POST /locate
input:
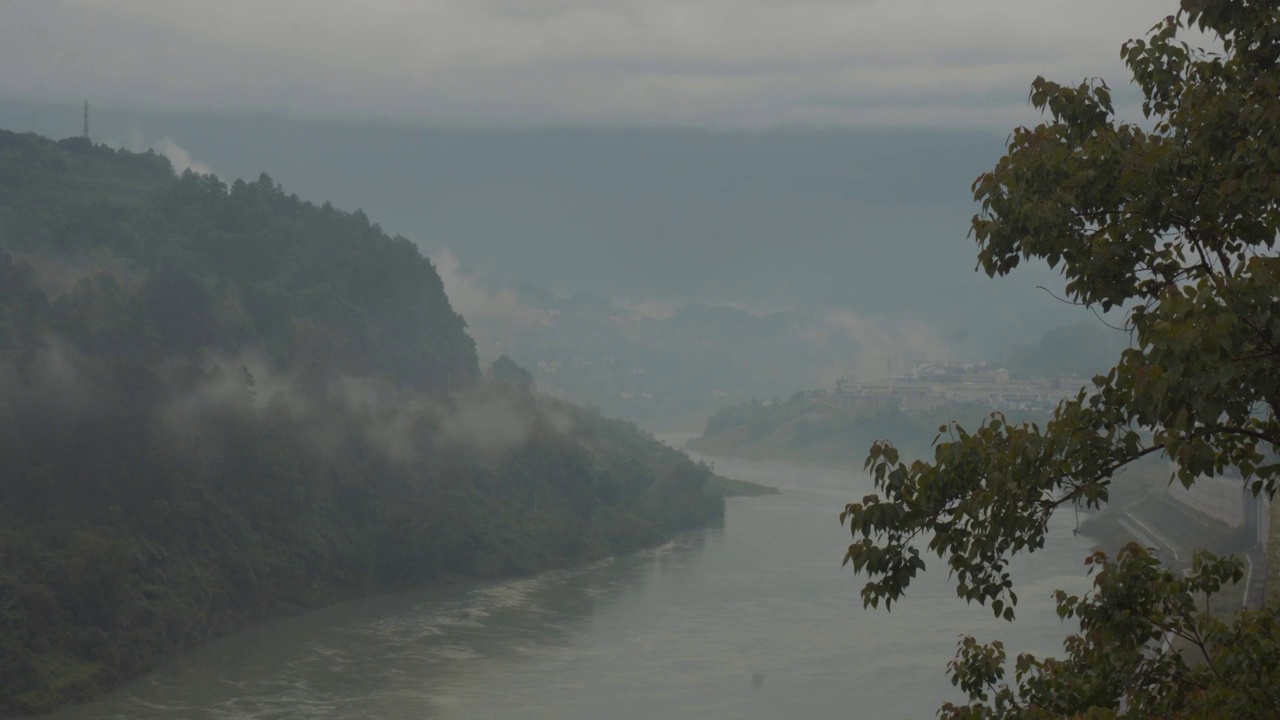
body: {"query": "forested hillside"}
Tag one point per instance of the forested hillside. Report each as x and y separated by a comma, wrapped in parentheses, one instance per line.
(220, 403)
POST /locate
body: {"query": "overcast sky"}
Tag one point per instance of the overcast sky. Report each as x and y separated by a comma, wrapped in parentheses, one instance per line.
(939, 63)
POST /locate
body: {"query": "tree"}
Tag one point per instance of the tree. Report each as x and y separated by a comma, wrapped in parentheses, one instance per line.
(1171, 222)
(505, 370)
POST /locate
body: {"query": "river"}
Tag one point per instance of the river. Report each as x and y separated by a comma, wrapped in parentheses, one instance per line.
(754, 619)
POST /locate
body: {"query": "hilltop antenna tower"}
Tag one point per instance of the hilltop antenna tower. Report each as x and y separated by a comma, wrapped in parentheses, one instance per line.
(86, 119)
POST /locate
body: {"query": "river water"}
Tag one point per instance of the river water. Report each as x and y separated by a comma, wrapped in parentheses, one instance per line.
(754, 619)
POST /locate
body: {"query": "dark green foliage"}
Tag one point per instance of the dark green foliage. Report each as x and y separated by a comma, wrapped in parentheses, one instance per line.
(1146, 644)
(360, 302)
(1174, 223)
(505, 370)
(219, 404)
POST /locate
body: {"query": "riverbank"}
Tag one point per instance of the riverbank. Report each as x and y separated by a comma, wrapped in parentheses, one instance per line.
(728, 487)
(1140, 510)
(77, 682)
(750, 619)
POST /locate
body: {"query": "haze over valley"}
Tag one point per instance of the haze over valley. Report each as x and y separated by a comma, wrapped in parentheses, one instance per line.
(677, 271)
(640, 359)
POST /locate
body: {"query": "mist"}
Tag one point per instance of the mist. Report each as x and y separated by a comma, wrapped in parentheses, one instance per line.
(858, 235)
(517, 360)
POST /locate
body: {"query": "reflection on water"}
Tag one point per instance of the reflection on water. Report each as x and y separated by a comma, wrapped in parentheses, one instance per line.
(751, 620)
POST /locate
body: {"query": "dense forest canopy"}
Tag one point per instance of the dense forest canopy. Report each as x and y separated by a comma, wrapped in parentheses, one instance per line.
(233, 263)
(219, 403)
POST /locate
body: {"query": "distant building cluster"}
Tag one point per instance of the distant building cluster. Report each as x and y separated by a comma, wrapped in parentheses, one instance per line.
(932, 387)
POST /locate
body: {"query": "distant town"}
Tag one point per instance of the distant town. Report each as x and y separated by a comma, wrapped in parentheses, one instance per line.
(933, 386)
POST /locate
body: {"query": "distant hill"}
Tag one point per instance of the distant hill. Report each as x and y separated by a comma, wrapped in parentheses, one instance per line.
(1083, 349)
(665, 372)
(871, 221)
(806, 431)
(220, 403)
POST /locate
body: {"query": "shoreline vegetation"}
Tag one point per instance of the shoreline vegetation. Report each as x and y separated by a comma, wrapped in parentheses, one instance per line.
(220, 404)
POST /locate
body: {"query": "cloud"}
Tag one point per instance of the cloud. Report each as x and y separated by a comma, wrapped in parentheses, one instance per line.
(62, 379)
(180, 158)
(58, 274)
(651, 309)
(399, 425)
(694, 62)
(884, 348)
(473, 301)
(392, 421)
(487, 423)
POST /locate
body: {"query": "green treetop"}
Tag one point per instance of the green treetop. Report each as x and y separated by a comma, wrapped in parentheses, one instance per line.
(1172, 222)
